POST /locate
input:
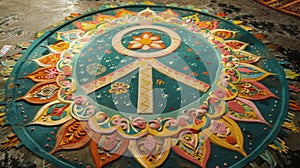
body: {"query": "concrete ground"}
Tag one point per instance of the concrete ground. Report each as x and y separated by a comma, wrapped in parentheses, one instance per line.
(21, 19)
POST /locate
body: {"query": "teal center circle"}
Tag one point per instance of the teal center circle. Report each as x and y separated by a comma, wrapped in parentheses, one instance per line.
(196, 57)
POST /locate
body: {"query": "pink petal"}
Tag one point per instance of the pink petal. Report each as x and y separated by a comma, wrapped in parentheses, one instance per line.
(236, 107)
(254, 108)
(136, 38)
(154, 38)
(137, 45)
(246, 70)
(153, 45)
(146, 47)
(157, 42)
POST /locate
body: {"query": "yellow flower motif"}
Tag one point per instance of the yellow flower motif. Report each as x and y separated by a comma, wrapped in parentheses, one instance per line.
(119, 88)
(148, 3)
(291, 74)
(146, 41)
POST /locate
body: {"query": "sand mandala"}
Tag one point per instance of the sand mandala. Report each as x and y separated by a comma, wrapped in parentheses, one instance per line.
(147, 86)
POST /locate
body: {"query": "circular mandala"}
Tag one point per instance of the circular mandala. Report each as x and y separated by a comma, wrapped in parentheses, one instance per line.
(147, 86)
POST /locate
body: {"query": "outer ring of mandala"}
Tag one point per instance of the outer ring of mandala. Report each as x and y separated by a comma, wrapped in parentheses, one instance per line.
(117, 44)
(23, 131)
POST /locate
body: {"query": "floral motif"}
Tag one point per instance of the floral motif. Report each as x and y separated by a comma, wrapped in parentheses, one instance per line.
(51, 73)
(146, 41)
(80, 100)
(220, 128)
(119, 88)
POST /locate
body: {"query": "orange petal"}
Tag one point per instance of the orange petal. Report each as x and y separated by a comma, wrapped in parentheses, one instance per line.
(157, 46)
(42, 93)
(71, 135)
(48, 60)
(42, 74)
(53, 113)
(236, 45)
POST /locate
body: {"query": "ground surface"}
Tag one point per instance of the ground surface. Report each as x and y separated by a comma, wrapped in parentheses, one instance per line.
(21, 19)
